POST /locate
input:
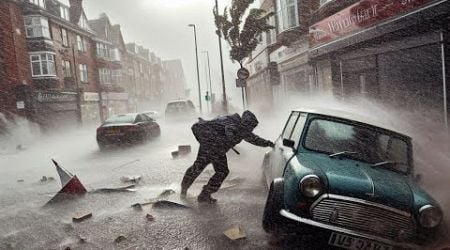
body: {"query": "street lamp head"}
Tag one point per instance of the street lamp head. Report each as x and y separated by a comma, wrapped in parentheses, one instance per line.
(191, 25)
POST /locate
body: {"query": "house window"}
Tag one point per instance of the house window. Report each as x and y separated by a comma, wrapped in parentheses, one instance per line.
(116, 76)
(105, 75)
(102, 50)
(115, 54)
(287, 12)
(271, 35)
(83, 73)
(40, 3)
(37, 26)
(42, 64)
(81, 44)
(64, 37)
(66, 68)
(64, 11)
(83, 22)
(141, 69)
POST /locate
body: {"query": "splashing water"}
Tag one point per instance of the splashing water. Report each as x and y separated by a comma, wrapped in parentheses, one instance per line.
(16, 133)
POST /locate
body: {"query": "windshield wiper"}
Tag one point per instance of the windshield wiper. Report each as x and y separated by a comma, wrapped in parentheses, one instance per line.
(385, 163)
(343, 153)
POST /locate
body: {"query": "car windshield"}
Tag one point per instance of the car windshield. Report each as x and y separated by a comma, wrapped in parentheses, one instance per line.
(359, 142)
(121, 119)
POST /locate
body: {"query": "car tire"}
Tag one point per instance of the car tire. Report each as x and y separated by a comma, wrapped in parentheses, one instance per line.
(157, 132)
(101, 146)
(272, 221)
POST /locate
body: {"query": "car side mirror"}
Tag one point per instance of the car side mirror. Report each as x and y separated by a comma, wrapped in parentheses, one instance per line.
(288, 143)
(418, 178)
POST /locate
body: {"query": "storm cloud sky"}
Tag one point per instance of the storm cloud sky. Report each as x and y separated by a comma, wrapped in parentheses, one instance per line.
(162, 26)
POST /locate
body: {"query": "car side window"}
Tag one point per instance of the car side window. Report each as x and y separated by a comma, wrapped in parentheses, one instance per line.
(290, 125)
(138, 119)
(298, 129)
(147, 118)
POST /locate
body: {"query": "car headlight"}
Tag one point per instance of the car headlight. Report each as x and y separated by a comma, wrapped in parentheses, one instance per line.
(430, 216)
(310, 186)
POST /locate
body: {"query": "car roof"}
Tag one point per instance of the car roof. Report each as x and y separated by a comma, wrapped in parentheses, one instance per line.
(181, 100)
(352, 117)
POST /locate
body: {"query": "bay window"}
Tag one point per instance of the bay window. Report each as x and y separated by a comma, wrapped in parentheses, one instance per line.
(36, 26)
(83, 73)
(116, 76)
(287, 11)
(43, 64)
(40, 3)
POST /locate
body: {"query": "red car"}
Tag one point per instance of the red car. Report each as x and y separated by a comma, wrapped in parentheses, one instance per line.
(127, 128)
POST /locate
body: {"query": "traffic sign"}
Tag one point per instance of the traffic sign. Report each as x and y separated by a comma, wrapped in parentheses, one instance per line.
(243, 73)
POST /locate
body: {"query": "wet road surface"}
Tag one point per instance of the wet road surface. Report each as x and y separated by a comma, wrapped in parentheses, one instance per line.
(26, 225)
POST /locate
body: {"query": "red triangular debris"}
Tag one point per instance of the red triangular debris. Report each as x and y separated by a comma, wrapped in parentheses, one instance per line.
(64, 175)
(74, 186)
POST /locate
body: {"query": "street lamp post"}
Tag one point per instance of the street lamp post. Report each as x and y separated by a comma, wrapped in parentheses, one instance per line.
(209, 73)
(198, 71)
(219, 35)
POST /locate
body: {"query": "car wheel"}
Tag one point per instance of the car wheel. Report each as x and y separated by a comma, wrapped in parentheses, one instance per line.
(101, 146)
(157, 132)
(272, 220)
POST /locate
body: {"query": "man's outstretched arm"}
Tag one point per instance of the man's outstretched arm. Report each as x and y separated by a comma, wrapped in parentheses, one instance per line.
(258, 141)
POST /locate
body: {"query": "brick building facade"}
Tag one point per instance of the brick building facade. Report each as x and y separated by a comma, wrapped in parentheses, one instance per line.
(14, 61)
(57, 68)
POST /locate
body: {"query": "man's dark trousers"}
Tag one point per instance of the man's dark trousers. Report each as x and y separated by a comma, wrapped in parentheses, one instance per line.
(207, 155)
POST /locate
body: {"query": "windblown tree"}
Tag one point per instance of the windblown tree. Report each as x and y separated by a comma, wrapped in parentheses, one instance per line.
(242, 36)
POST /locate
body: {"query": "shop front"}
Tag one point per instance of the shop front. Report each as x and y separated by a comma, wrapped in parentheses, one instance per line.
(114, 103)
(394, 52)
(90, 108)
(296, 74)
(54, 110)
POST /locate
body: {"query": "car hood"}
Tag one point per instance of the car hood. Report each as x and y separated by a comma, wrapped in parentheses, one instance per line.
(359, 180)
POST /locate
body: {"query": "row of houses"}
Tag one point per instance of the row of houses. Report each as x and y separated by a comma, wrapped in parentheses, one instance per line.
(393, 51)
(59, 67)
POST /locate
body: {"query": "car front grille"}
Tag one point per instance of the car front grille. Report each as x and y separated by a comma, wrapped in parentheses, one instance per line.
(364, 216)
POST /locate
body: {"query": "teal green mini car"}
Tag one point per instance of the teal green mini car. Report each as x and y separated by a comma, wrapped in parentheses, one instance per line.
(349, 179)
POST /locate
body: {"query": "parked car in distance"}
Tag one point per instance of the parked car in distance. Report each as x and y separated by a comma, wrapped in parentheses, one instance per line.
(152, 114)
(127, 128)
(349, 180)
(184, 109)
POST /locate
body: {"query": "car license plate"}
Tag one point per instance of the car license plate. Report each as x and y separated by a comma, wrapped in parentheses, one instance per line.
(113, 131)
(353, 243)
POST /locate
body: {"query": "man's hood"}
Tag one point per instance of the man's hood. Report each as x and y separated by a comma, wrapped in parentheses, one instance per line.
(359, 180)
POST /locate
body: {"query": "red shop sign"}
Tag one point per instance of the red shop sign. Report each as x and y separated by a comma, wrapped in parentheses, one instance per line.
(359, 16)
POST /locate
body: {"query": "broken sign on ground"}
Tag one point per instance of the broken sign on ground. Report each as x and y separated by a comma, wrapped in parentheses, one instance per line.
(182, 150)
(81, 217)
(235, 233)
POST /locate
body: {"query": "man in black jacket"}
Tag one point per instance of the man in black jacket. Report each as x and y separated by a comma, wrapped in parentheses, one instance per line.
(216, 137)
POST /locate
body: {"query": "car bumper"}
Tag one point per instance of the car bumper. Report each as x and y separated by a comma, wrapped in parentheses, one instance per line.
(324, 226)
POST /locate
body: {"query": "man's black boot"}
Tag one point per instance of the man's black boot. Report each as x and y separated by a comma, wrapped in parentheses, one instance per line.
(206, 197)
(185, 184)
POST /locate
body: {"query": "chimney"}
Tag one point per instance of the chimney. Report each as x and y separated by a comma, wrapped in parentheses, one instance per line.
(76, 8)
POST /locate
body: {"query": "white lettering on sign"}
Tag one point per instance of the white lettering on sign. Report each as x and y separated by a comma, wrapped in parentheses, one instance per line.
(55, 97)
(360, 16)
